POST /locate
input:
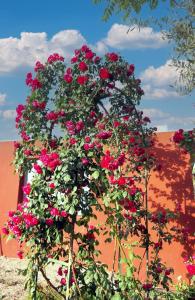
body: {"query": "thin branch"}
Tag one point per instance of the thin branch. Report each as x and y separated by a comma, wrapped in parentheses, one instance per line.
(50, 283)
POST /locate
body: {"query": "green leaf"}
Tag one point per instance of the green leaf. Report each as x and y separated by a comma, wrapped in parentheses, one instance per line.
(116, 297)
(95, 174)
(72, 210)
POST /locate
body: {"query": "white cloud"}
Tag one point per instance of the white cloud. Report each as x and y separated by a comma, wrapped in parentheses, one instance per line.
(164, 75)
(158, 82)
(100, 48)
(2, 98)
(9, 114)
(165, 121)
(17, 52)
(154, 113)
(125, 37)
(152, 92)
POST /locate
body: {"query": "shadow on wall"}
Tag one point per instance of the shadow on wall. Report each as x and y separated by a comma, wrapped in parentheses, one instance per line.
(172, 188)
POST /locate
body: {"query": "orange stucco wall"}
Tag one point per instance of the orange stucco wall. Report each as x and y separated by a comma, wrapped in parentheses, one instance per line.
(169, 188)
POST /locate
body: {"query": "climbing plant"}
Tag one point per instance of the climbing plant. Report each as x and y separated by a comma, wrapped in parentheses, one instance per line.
(90, 151)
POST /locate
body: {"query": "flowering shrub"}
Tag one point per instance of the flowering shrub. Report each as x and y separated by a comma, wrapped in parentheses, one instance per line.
(185, 139)
(90, 150)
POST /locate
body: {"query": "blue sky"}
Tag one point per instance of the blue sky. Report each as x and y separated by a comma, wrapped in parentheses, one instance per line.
(31, 30)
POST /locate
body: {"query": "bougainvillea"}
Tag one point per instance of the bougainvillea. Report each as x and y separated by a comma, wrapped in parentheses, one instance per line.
(90, 150)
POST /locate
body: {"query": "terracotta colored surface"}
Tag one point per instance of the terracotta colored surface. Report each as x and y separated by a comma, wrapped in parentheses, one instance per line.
(9, 189)
(170, 188)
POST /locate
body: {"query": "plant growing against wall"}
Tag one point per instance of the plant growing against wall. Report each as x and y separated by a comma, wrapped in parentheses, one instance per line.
(90, 150)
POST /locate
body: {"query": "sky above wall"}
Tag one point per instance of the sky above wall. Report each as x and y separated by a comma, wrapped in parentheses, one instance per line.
(31, 30)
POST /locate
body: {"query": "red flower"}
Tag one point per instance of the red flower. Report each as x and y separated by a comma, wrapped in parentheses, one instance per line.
(49, 222)
(121, 181)
(97, 59)
(54, 57)
(104, 135)
(85, 48)
(60, 273)
(85, 161)
(37, 104)
(83, 66)
(27, 189)
(191, 269)
(5, 230)
(20, 254)
(17, 145)
(38, 66)
(87, 139)
(130, 70)
(116, 124)
(73, 141)
(74, 59)
(104, 73)
(54, 212)
(64, 214)
(178, 136)
(147, 286)
(38, 169)
(68, 78)
(52, 116)
(89, 55)
(63, 281)
(167, 272)
(112, 56)
(52, 185)
(82, 80)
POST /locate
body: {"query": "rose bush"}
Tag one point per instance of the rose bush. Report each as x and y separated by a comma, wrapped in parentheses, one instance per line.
(90, 150)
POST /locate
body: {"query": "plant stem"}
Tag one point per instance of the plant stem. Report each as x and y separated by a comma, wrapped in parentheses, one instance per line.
(70, 260)
(50, 283)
